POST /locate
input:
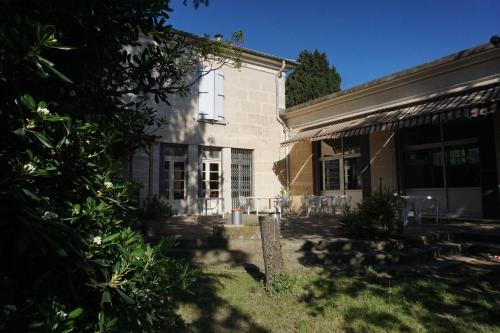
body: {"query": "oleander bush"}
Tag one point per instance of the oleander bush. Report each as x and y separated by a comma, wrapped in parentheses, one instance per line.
(378, 215)
(72, 256)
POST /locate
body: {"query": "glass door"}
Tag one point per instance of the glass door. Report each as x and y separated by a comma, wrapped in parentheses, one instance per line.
(174, 179)
(210, 179)
(173, 175)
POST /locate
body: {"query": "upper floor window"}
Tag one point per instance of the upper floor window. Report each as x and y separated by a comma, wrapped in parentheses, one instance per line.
(211, 95)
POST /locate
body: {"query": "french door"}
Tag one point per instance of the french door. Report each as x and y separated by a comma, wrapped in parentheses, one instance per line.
(174, 179)
(211, 179)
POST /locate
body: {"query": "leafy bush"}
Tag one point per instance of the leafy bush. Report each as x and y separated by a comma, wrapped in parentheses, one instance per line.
(283, 284)
(157, 207)
(71, 260)
(353, 223)
(377, 215)
(71, 256)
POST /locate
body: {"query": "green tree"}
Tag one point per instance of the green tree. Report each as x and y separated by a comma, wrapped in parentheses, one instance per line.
(313, 78)
(72, 258)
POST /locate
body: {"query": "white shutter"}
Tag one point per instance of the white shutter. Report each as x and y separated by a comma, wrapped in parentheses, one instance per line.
(206, 95)
(219, 95)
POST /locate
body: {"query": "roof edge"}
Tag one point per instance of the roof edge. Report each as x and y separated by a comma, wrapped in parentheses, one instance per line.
(265, 58)
(395, 76)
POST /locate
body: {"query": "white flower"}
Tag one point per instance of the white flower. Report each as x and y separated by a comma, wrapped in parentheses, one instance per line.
(29, 167)
(108, 184)
(98, 240)
(44, 112)
(75, 212)
(49, 216)
(61, 315)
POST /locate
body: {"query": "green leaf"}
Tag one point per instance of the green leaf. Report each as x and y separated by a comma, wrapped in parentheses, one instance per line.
(30, 194)
(50, 66)
(43, 139)
(20, 131)
(28, 102)
(106, 297)
(111, 237)
(125, 297)
(75, 313)
(42, 105)
(62, 47)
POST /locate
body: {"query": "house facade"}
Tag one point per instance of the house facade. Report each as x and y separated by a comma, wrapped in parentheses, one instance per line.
(222, 141)
(429, 131)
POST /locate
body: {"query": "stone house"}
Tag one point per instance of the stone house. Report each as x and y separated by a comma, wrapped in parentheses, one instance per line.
(428, 131)
(222, 141)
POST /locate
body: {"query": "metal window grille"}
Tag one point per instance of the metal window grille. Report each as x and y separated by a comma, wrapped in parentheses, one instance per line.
(241, 175)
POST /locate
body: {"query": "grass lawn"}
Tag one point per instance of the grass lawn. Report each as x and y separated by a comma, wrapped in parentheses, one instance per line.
(362, 300)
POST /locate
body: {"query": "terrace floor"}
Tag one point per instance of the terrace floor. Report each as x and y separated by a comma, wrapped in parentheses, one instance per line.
(305, 228)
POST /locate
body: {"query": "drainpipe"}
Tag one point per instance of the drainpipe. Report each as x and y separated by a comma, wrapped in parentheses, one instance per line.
(286, 130)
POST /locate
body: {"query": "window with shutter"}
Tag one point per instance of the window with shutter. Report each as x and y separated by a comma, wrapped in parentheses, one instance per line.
(206, 95)
(219, 95)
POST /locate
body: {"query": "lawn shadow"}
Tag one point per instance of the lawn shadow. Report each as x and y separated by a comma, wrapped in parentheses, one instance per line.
(214, 314)
(254, 272)
(464, 299)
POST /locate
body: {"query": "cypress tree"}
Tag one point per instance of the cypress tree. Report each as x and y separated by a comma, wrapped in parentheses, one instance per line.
(313, 78)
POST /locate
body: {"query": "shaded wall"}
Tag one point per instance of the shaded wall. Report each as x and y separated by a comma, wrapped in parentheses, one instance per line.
(301, 172)
(383, 157)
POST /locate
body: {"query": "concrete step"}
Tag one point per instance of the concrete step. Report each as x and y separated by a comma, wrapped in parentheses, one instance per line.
(426, 239)
(345, 244)
(475, 248)
(406, 256)
(492, 238)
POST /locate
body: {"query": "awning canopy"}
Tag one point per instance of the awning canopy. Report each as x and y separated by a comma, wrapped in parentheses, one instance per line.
(470, 104)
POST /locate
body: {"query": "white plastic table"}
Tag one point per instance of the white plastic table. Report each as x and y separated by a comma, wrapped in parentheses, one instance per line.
(256, 201)
(332, 200)
(417, 201)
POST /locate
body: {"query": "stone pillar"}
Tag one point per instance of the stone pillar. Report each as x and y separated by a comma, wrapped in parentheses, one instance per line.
(226, 179)
(193, 165)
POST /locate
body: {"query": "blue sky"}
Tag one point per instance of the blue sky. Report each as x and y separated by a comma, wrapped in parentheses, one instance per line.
(363, 39)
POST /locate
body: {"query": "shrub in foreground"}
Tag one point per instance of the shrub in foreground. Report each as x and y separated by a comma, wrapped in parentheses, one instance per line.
(378, 215)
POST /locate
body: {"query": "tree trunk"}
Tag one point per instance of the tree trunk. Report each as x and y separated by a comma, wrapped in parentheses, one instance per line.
(271, 248)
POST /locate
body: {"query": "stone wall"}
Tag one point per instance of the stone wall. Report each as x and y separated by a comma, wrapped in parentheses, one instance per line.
(250, 123)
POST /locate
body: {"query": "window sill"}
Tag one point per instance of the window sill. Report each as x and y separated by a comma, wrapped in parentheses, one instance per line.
(213, 121)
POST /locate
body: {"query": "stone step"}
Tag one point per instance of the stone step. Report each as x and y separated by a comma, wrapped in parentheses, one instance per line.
(344, 244)
(203, 243)
(481, 248)
(492, 238)
(217, 257)
(406, 256)
(427, 239)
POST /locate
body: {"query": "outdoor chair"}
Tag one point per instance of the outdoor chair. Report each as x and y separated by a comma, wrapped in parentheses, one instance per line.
(343, 202)
(243, 203)
(210, 206)
(327, 204)
(284, 204)
(312, 204)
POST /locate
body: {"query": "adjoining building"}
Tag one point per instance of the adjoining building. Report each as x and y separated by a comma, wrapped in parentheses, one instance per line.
(221, 141)
(432, 130)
